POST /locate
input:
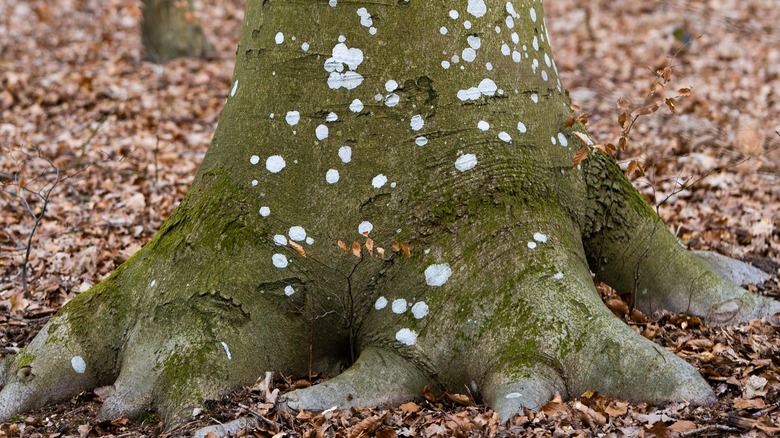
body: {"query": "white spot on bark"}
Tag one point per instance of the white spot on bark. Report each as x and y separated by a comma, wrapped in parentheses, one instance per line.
(275, 163)
(521, 127)
(365, 227)
(489, 66)
(289, 290)
(531, 245)
(421, 141)
(514, 395)
(406, 336)
(255, 183)
(516, 57)
(332, 176)
(437, 274)
(533, 14)
(420, 310)
(264, 211)
(454, 14)
(505, 50)
(297, 233)
(333, 3)
(539, 237)
(505, 137)
(345, 153)
(365, 17)
(466, 162)
(153, 283)
(380, 303)
(280, 240)
(510, 9)
(235, 87)
(474, 42)
(477, 8)
(279, 38)
(553, 141)
(344, 56)
(356, 106)
(309, 241)
(78, 364)
(417, 122)
(510, 22)
(254, 159)
(469, 54)
(379, 181)
(562, 139)
(292, 117)
(321, 132)
(331, 117)
(535, 97)
(279, 260)
(487, 87)
(392, 100)
(445, 64)
(467, 24)
(472, 93)
(227, 350)
(305, 47)
(483, 125)
(399, 306)
(558, 276)
(391, 86)
(443, 30)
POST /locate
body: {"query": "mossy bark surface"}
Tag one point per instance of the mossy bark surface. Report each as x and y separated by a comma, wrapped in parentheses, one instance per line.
(390, 186)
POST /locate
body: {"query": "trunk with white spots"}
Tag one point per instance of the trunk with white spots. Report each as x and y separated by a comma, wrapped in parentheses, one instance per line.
(391, 191)
(170, 30)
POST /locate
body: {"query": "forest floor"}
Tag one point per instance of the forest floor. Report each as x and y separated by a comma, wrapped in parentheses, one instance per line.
(111, 143)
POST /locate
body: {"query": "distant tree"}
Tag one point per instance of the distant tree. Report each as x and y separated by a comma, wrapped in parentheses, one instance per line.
(392, 189)
(170, 30)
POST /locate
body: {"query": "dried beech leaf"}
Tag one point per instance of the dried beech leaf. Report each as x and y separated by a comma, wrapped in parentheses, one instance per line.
(623, 103)
(582, 137)
(343, 246)
(356, 249)
(460, 399)
(670, 102)
(634, 166)
(386, 432)
(684, 91)
(580, 156)
(370, 246)
(610, 148)
(409, 407)
(396, 247)
(405, 248)
(366, 427)
(622, 142)
(380, 251)
(428, 394)
(623, 120)
(575, 107)
(569, 121)
(298, 248)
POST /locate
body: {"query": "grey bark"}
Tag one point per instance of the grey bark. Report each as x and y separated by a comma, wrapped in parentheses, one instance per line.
(170, 30)
(381, 127)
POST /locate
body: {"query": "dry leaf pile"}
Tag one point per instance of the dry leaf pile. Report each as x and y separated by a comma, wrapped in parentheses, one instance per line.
(110, 144)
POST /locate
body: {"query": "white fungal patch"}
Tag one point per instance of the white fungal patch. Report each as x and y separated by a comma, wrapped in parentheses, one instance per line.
(297, 233)
(235, 87)
(558, 276)
(356, 106)
(535, 97)
(535, 43)
(443, 30)
(289, 290)
(531, 245)
(345, 153)
(341, 57)
(547, 60)
(472, 93)
(510, 9)
(392, 100)
(78, 364)
(553, 140)
(505, 137)
(321, 132)
(305, 47)
(280, 240)
(391, 86)
(332, 176)
(279, 260)
(399, 306)
(380, 303)
(437, 274)
(227, 351)
(365, 227)
(487, 87)
(365, 17)
(474, 42)
(153, 283)
(539, 237)
(513, 395)
(515, 38)
(417, 122)
(516, 56)
(469, 54)
(488, 66)
(533, 14)
(309, 241)
(292, 117)
(420, 310)
(466, 162)
(477, 8)
(331, 117)
(275, 163)
(483, 125)
(454, 14)
(510, 22)
(421, 141)
(279, 38)
(264, 211)
(406, 336)
(521, 127)
(445, 64)
(255, 183)
(379, 181)
(467, 24)
(254, 159)
(544, 75)
(562, 139)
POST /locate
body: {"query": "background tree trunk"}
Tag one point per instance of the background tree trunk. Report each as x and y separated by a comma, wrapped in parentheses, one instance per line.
(390, 187)
(170, 30)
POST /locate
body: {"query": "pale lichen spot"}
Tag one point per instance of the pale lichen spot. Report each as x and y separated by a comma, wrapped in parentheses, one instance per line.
(514, 395)
(153, 283)
(553, 140)
(279, 38)
(521, 127)
(305, 47)
(297, 233)
(399, 306)
(474, 42)
(331, 117)
(289, 290)
(469, 54)
(255, 183)
(392, 100)
(437, 274)
(466, 162)
(562, 139)
(332, 176)
(531, 245)
(227, 350)
(421, 141)
(275, 163)
(488, 66)
(280, 240)
(535, 97)
(78, 364)
(505, 50)
(558, 276)
(309, 241)
(417, 122)
(454, 14)
(505, 137)
(279, 260)
(406, 336)
(379, 181)
(356, 106)
(445, 64)
(264, 211)
(345, 153)
(254, 159)
(443, 30)
(235, 87)
(487, 87)
(391, 86)
(292, 117)
(539, 237)
(344, 56)
(533, 14)
(477, 8)
(365, 227)
(321, 132)
(467, 24)
(333, 3)
(380, 303)
(420, 310)
(483, 125)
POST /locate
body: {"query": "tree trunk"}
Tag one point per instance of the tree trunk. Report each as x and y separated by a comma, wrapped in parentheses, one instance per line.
(170, 30)
(390, 189)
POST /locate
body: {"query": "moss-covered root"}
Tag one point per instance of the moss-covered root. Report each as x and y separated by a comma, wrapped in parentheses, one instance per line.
(629, 248)
(378, 377)
(617, 361)
(51, 368)
(536, 386)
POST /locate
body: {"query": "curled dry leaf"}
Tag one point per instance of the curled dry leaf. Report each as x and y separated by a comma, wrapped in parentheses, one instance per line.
(356, 249)
(370, 246)
(686, 91)
(405, 248)
(298, 248)
(396, 247)
(581, 155)
(380, 251)
(342, 245)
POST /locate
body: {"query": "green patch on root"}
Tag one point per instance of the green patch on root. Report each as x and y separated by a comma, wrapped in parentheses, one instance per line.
(24, 358)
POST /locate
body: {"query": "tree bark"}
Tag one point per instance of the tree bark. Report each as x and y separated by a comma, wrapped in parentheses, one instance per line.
(170, 30)
(390, 187)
